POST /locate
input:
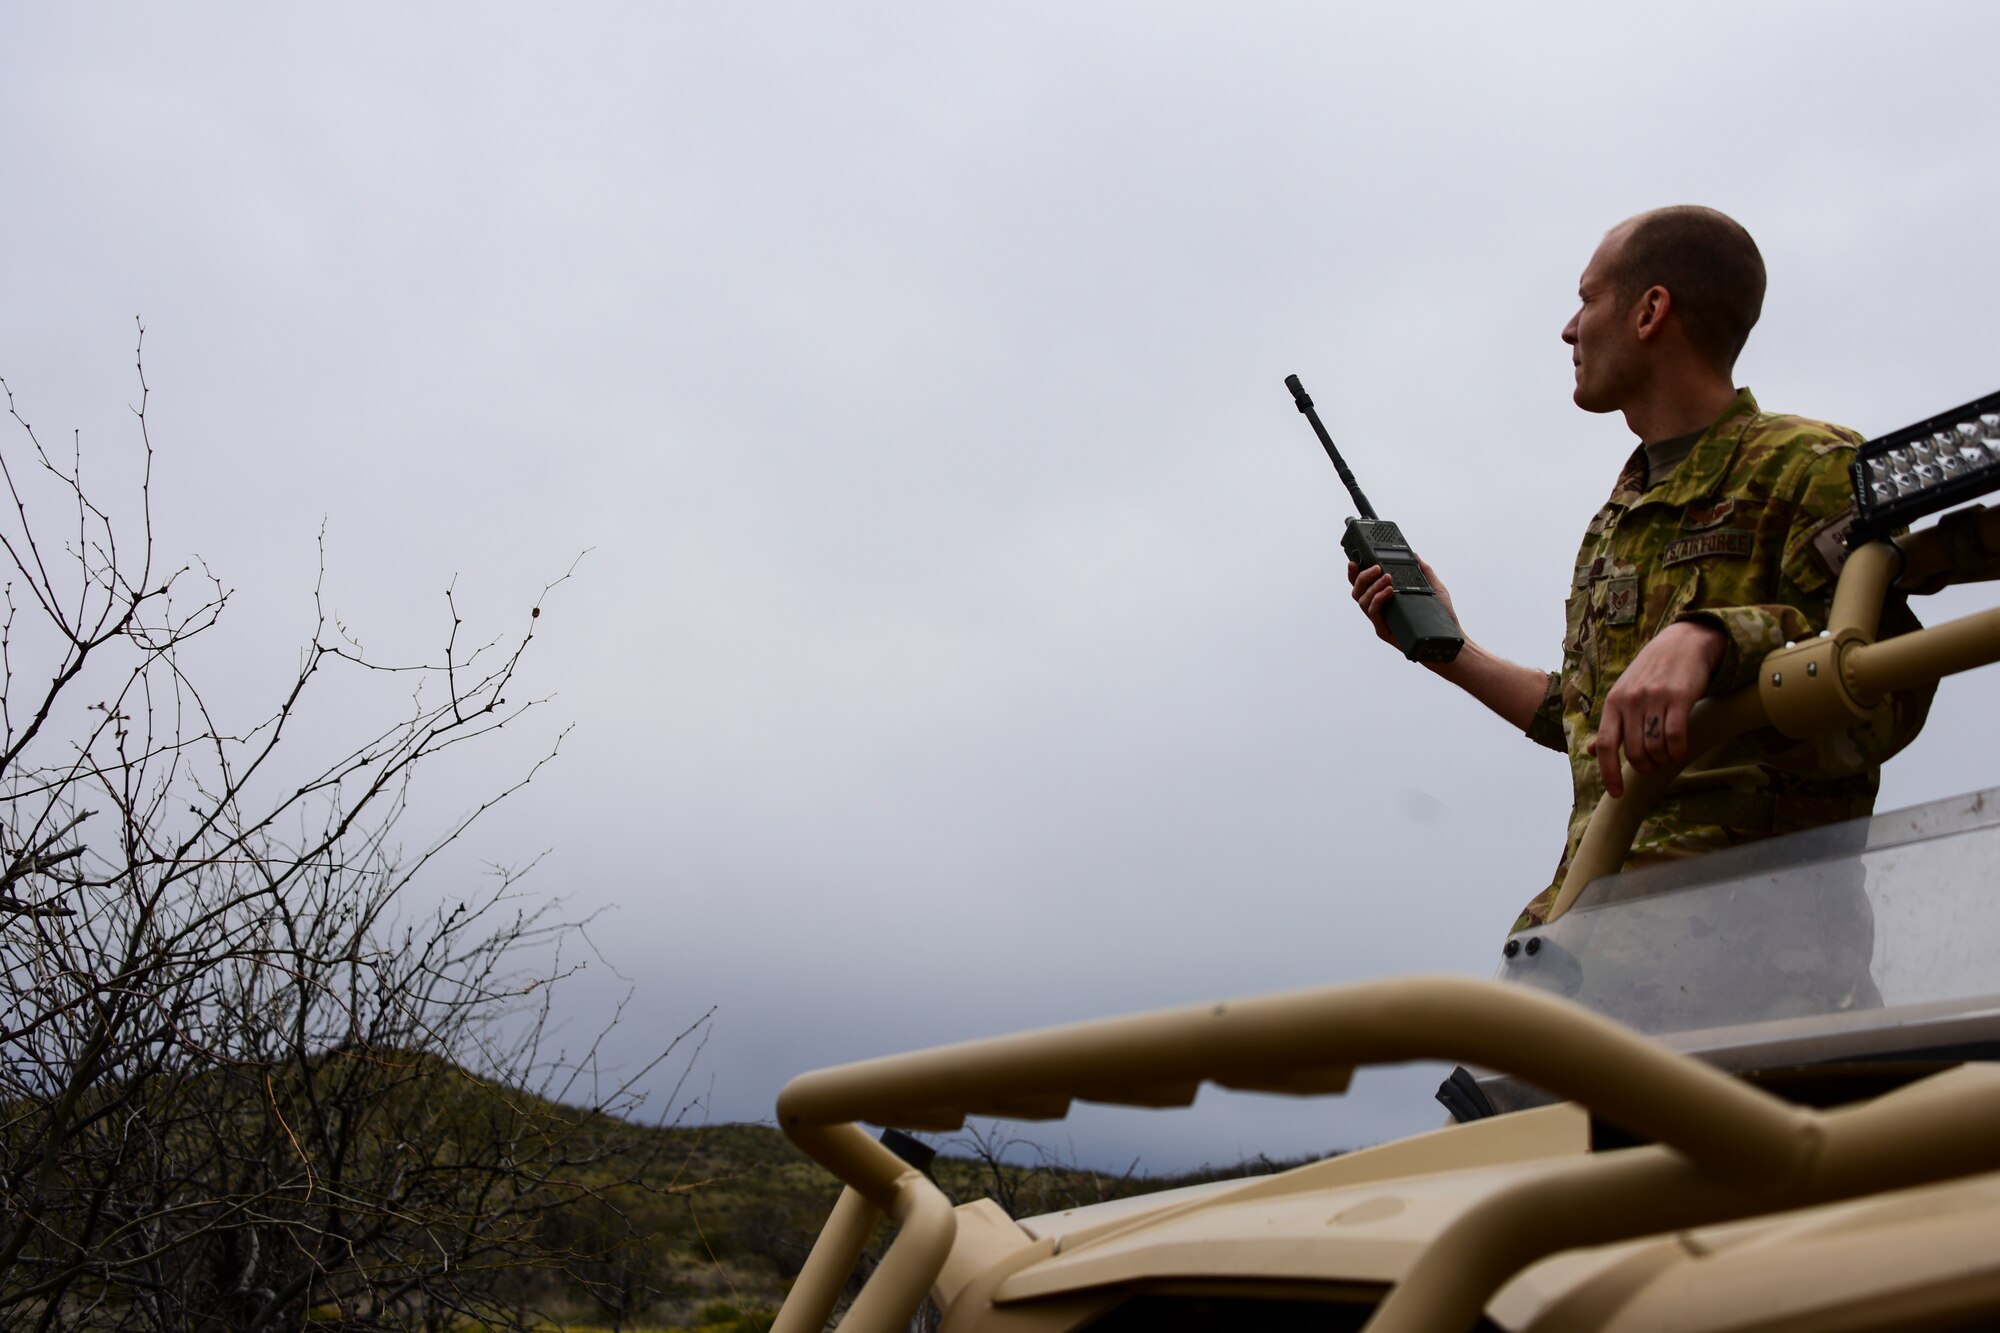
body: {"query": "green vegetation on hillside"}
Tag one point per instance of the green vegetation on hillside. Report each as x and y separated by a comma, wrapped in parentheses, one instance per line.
(729, 1221)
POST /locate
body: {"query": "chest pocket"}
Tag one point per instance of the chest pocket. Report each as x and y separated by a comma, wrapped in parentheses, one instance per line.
(1674, 593)
(1589, 566)
(1575, 609)
(1733, 548)
(1623, 609)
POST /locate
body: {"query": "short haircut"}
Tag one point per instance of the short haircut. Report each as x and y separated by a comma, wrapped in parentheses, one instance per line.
(1710, 266)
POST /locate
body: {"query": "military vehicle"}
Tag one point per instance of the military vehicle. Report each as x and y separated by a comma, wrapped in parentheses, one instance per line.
(1754, 1090)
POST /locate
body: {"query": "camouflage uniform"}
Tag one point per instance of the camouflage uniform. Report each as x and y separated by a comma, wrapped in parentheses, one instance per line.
(1746, 534)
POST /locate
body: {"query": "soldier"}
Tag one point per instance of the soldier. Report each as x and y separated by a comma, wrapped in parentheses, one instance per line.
(1720, 542)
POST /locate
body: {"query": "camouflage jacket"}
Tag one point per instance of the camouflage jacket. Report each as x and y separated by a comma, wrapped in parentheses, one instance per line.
(1745, 534)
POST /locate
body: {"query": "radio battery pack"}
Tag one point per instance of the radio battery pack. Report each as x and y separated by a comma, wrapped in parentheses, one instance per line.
(1416, 615)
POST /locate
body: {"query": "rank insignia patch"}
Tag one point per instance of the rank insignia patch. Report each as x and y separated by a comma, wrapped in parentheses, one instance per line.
(1734, 542)
(1621, 601)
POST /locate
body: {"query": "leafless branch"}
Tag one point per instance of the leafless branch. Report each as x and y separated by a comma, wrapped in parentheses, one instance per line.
(241, 1077)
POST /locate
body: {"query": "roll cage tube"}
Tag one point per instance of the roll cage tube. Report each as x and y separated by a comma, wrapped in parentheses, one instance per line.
(1722, 1148)
(1299, 1042)
(1826, 683)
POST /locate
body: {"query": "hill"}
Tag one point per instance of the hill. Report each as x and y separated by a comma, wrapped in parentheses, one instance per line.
(396, 1189)
(730, 1216)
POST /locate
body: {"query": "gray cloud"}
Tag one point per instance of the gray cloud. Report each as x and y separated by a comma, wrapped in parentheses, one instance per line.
(963, 642)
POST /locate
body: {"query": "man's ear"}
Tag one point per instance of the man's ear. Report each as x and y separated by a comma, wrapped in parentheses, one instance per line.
(1649, 313)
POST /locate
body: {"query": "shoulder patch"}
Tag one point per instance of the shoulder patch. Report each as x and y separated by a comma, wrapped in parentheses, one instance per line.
(1730, 542)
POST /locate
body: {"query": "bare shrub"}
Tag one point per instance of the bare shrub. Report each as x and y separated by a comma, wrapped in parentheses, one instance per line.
(243, 1084)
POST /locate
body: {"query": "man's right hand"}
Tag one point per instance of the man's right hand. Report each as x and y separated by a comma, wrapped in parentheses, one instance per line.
(1514, 692)
(1372, 592)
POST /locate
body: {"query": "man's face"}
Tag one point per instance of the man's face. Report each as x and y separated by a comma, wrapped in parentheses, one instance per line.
(1604, 347)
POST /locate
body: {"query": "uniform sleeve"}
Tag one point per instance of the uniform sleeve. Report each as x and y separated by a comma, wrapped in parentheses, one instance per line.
(1545, 727)
(1749, 632)
(1821, 506)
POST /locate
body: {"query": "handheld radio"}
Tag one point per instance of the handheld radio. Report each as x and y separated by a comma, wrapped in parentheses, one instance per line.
(1418, 618)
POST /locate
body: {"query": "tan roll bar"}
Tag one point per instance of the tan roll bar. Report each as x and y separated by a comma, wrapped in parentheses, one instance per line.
(1300, 1042)
(1724, 1149)
(1825, 683)
(1933, 1130)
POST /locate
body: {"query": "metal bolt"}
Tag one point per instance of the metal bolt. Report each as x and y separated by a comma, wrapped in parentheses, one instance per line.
(1777, 679)
(1535, 945)
(1812, 668)
(1510, 948)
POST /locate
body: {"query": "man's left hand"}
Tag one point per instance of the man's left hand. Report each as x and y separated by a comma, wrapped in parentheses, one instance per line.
(1646, 712)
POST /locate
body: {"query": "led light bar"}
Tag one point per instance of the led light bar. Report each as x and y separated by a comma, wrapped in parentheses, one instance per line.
(1935, 464)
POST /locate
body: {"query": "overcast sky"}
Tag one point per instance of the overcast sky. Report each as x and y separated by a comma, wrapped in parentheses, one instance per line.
(963, 642)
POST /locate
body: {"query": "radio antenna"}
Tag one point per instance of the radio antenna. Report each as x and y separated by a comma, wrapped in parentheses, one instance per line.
(1305, 402)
